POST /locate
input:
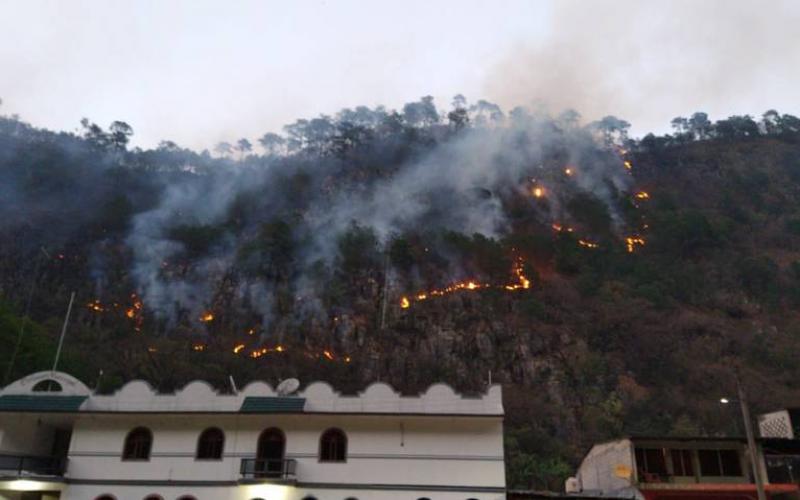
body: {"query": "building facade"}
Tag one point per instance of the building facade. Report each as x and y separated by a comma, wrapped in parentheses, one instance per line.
(673, 469)
(59, 440)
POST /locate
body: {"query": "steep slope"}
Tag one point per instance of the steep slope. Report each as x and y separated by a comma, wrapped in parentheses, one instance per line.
(610, 291)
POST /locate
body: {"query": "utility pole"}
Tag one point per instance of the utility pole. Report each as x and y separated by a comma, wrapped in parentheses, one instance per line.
(755, 463)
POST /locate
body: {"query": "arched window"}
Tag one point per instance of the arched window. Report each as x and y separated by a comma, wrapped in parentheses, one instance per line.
(210, 444)
(47, 386)
(269, 455)
(333, 446)
(138, 444)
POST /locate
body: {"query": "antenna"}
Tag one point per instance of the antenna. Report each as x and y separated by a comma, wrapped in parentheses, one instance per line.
(288, 387)
(97, 382)
(233, 384)
(63, 332)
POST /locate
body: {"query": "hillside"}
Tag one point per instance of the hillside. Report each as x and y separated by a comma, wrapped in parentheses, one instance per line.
(611, 285)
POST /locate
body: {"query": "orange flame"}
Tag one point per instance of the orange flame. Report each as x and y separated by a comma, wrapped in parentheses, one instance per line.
(238, 348)
(135, 312)
(207, 316)
(265, 350)
(588, 244)
(628, 164)
(199, 347)
(632, 241)
(96, 306)
(328, 355)
(538, 192)
(568, 171)
(643, 195)
(522, 283)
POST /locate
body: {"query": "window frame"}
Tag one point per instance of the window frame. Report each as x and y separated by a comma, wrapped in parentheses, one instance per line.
(720, 463)
(126, 458)
(643, 465)
(345, 442)
(686, 462)
(197, 456)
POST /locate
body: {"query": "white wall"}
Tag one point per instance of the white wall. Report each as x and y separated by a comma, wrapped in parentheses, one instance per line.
(267, 492)
(597, 470)
(387, 450)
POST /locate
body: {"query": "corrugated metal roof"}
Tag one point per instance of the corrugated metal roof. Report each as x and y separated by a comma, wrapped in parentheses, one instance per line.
(40, 403)
(272, 404)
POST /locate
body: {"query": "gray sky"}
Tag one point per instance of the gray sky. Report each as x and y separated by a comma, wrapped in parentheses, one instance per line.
(199, 71)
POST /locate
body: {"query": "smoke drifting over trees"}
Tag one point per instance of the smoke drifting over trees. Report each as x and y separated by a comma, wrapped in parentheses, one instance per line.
(593, 274)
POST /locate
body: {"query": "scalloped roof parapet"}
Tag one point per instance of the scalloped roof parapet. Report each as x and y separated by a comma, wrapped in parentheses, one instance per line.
(321, 397)
(70, 386)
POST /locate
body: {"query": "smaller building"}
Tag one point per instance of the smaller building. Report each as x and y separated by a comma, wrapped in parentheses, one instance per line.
(658, 468)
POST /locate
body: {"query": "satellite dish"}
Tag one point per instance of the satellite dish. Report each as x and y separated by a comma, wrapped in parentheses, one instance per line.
(288, 386)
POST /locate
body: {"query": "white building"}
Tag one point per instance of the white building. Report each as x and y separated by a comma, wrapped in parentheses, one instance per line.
(197, 444)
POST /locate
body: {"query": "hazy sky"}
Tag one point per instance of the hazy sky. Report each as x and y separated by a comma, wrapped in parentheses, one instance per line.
(198, 71)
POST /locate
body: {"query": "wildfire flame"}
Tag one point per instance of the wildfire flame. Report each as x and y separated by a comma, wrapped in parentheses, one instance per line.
(238, 348)
(199, 347)
(588, 244)
(568, 171)
(632, 241)
(207, 316)
(135, 312)
(328, 355)
(96, 306)
(642, 195)
(522, 283)
(538, 192)
(558, 227)
(265, 350)
(628, 164)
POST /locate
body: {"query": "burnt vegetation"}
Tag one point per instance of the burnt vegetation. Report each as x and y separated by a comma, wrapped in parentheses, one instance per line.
(610, 284)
